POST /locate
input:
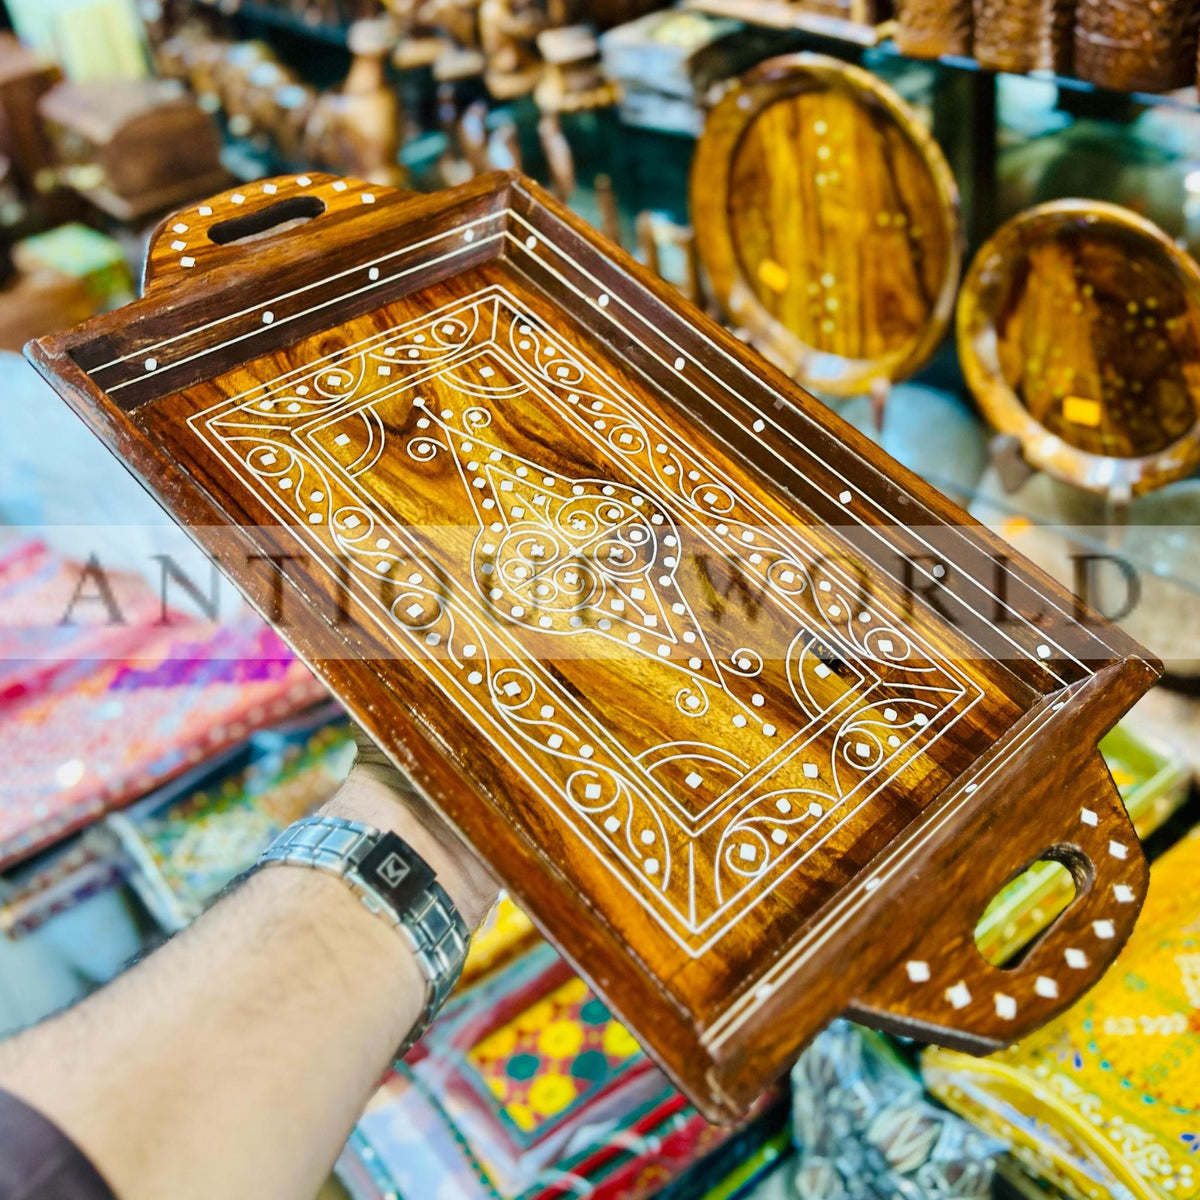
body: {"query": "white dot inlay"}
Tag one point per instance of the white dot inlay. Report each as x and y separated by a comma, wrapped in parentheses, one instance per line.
(918, 971)
(1006, 1006)
(959, 995)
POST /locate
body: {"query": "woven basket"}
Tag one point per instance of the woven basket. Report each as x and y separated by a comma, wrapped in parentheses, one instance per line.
(927, 28)
(1137, 45)
(1024, 35)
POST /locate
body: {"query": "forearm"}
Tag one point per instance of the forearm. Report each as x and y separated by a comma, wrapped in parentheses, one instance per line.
(234, 1061)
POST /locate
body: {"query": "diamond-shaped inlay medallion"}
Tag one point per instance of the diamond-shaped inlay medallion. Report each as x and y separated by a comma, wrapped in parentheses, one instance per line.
(1006, 1006)
(1046, 987)
(1117, 850)
(1076, 959)
(918, 971)
(1089, 818)
(1104, 930)
(1123, 893)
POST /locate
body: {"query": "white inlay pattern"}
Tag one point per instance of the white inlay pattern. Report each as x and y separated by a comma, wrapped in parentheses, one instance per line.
(608, 558)
(959, 995)
(1046, 987)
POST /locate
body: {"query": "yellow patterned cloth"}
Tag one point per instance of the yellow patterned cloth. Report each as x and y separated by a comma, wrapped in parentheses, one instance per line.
(553, 1055)
(1105, 1102)
(506, 933)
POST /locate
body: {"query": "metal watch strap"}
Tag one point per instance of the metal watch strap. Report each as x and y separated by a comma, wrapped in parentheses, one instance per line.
(393, 881)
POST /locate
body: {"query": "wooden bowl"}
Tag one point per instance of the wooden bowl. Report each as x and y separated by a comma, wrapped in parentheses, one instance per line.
(1079, 333)
(827, 220)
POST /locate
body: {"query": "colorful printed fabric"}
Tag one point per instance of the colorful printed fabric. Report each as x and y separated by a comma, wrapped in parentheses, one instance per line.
(527, 1088)
(96, 735)
(1105, 1101)
(406, 1146)
(662, 1148)
(552, 1057)
(185, 849)
(53, 885)
(45, 622)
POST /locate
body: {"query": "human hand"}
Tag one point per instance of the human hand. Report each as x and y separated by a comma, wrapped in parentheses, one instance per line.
(379, 793)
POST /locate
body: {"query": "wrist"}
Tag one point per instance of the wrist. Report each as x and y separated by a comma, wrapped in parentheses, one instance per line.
(367, 798)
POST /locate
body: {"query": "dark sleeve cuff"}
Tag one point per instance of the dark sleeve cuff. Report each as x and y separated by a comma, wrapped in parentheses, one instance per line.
(39, 1162)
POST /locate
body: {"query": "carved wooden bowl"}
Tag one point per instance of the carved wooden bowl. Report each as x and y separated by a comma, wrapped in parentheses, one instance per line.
(1079, 333)
(752, 722)
(827, 220)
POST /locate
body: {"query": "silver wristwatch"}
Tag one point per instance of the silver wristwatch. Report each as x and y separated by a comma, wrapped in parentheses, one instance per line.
(395, 882)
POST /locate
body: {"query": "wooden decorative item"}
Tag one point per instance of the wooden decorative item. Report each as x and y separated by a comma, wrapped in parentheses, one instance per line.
(560, 159)
(1078, 328)
(357, 130)
(1135, 47)
(33, 303)
(860, 12)
(1024, 35)
(24, 78)
(750, 720)
(827, 220)
(507, 29)
(573, 78)
(656, 232)
(931, 28)
(133, 147)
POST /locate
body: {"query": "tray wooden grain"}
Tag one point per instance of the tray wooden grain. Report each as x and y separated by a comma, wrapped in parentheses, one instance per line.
(1079, 334)
(743, 713)
(826, 217)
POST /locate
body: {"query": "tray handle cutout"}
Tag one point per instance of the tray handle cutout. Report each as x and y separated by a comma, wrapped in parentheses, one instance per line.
(943, 989)
(212, 232)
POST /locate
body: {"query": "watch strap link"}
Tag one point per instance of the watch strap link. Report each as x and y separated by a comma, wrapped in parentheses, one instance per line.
(393, 881)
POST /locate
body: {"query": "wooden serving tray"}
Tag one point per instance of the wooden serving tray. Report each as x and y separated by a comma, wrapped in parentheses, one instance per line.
(1079, 334)
(826, 218)
(751, 720)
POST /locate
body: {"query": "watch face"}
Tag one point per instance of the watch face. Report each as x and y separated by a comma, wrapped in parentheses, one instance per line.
(396, 871)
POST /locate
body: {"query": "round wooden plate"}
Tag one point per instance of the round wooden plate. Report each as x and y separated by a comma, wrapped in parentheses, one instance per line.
(1079, 333)
(827, 220)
